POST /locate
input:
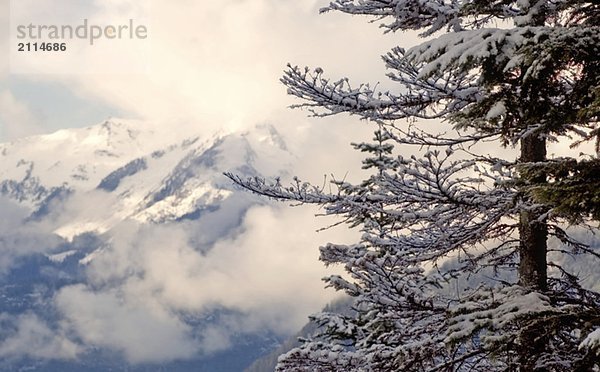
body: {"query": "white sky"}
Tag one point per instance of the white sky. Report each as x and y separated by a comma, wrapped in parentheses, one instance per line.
(213, 63)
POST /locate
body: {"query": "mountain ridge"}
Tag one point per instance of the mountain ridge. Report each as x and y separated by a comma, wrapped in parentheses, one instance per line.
(154, 182)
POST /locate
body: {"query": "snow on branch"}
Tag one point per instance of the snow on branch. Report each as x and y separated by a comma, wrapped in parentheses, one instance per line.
(405, 14)
(431, 99)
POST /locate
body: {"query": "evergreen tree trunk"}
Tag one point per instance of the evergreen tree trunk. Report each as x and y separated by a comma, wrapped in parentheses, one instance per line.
(533, 230)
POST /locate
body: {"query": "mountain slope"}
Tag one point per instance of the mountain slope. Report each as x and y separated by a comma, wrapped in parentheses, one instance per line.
(143, 175)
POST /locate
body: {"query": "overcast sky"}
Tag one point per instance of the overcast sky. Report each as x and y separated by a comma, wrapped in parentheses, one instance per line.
(212, 63)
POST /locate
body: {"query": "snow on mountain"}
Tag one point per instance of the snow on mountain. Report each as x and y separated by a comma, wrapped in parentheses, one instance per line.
(133, 168)
(78, 157)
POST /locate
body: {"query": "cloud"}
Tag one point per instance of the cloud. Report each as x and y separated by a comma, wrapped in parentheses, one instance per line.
(144, 287)
(216, 64)
(16, 118)
(18, 238)
(108, 319)
(4, 37)
(27, 335)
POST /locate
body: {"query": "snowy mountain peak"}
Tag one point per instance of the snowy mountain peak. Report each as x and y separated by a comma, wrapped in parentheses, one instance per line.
(133, 168)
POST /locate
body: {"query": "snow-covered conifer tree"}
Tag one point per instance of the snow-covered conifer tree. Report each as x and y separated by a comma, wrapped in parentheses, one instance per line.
(453, 272)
